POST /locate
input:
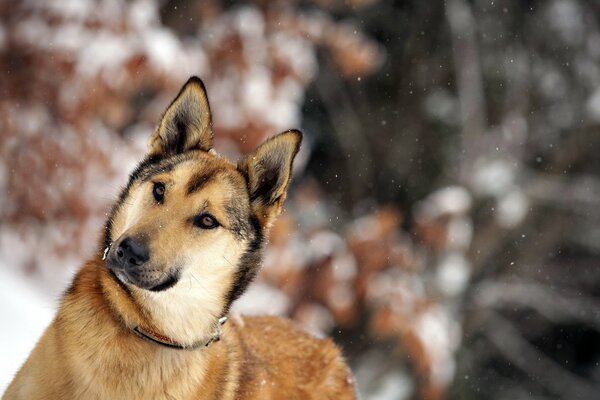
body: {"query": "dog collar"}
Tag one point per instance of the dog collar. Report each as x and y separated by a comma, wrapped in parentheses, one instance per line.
(166, 341)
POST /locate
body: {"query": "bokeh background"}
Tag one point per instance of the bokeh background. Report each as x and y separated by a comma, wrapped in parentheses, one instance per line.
(443, 225)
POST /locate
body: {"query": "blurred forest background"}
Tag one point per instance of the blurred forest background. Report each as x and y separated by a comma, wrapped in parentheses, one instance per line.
(444, 224)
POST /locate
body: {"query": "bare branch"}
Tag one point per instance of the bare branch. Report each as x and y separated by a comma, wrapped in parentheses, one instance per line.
(556, 307)
(347, 128)
(535, 363)
(574, 194)
(468, 78)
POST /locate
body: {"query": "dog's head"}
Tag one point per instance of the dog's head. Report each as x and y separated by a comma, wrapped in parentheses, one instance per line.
(190, 221)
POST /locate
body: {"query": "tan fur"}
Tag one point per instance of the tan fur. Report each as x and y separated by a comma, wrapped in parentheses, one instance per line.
(90, 350)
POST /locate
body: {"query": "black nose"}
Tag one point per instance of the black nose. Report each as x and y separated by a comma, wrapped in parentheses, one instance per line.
(132, 254)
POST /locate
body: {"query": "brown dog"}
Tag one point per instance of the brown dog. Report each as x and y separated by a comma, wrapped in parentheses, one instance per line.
(143, 319)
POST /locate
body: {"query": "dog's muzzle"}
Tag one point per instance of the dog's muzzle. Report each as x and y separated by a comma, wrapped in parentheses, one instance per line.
(128, 259)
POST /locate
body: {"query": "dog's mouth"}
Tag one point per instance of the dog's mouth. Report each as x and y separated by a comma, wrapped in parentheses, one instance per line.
(144, 279)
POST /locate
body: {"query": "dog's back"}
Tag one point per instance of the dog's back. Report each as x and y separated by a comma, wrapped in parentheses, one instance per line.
(282, 361)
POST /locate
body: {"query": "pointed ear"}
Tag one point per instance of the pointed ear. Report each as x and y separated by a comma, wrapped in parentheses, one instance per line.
(268, 171)
(186, 125)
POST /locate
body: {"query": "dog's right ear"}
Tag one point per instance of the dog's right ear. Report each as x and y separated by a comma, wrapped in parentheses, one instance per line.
(186, 125)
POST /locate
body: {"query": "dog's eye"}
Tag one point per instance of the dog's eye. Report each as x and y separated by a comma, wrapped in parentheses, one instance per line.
(158, 191)
(205, 221)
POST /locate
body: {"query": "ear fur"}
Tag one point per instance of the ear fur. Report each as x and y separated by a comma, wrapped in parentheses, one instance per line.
(186, 125)
(268, 171)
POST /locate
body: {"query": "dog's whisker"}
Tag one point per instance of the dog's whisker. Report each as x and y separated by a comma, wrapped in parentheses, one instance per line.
(230, 263)
(198, 281)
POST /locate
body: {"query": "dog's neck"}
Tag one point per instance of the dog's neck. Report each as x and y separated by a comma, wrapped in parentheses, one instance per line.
(172, 318)
(179, 317)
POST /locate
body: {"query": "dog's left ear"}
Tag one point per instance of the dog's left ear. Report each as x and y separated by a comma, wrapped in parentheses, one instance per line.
(186, 125)
(268, 171)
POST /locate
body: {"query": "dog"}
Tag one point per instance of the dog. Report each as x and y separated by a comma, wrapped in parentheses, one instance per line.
(147, 316)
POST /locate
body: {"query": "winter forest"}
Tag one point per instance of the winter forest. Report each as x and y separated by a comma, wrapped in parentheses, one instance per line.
(443, 225)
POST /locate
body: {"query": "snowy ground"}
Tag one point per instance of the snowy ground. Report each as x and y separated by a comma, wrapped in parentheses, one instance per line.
(25, 313)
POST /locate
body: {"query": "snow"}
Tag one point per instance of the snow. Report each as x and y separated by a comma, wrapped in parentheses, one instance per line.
(286, 102)
(566, 17)
(24, 321)
(395, 385)
(453, 274)
(68, 9)
(382, 380)
(493, 177)
(441, 336)
(552, 84)
(442, 105)
(142, 13)
(344, 267)
(316, 320)
(107, 51)
(257, 93)
(249, 22)
(163, 49)
(512, 208)
(593, 106)
(222, 91)
(261, 298)
(364, 228)
(459, 233)
(326, 243)
(296, 53)
(451, 200)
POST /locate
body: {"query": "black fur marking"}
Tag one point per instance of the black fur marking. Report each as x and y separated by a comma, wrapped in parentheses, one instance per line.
(171, 280)
(199, 180)
(238, 224)
(249, 264)
(269, 183)
(161, 168)
(180, 136)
